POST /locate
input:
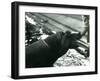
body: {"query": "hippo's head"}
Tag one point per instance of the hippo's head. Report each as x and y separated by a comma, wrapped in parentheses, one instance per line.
(60, 42)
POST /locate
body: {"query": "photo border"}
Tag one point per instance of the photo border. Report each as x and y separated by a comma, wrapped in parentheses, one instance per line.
(15, 39)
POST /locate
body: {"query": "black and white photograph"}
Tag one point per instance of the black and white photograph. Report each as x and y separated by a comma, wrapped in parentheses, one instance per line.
(56, 40)
(53, 40)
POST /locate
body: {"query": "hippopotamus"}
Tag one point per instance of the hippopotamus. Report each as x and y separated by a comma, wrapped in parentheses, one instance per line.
(43, 53)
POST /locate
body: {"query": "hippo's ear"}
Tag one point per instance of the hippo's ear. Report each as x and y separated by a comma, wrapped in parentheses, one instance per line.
(68, 33)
